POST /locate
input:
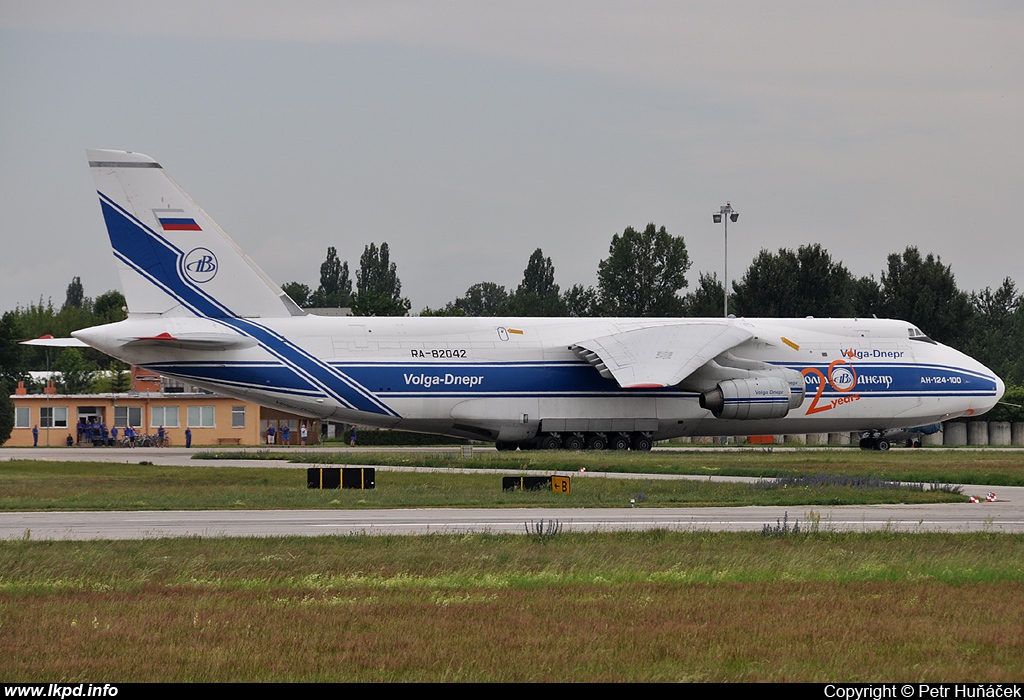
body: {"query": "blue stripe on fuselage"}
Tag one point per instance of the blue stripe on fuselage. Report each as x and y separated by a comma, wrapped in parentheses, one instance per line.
(891, 379)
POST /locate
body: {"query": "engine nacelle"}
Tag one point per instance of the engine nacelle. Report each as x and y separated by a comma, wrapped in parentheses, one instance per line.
(752, 398)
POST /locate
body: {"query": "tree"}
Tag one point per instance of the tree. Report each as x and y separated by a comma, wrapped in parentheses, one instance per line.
(299, 293)
(13, 359)
(484, 299)
(643, 274)
(707, 300)
(998, 333)
(6, 412)
(120, 376)
(76, 373)
(923, 291)
(109, 307)
(335, 290)
(866, 297)
(75, 298)
(581, 302)
(378, 289)
(537, 294)
(805, 282)
(449, 309)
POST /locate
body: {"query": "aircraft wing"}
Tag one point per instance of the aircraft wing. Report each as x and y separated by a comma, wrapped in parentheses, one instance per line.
(661, 355)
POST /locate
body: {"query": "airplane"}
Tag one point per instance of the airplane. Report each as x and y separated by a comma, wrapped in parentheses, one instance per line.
(200, 310)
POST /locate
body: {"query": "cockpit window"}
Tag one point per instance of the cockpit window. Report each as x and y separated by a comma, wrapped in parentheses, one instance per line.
(916, 334)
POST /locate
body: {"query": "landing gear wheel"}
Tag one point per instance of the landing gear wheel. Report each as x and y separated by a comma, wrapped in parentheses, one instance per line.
(575, 443)
(642, 443)
(550, 442)
(505, 446)
(882, 445)
(619, 442)
(865, 443)
(596, 442)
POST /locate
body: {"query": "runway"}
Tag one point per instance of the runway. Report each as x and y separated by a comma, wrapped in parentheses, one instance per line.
(1003, 515)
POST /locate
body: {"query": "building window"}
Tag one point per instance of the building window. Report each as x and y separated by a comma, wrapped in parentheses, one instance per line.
(53, 417)
(200, 417)
(166, 416)
(22, 417)
(238, 416)
(127, 415)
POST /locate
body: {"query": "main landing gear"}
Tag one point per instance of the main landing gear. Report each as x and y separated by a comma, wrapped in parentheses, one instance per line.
(638, 442)
(870, 443)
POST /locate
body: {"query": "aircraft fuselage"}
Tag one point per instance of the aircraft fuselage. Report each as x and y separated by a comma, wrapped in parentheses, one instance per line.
(511, 379)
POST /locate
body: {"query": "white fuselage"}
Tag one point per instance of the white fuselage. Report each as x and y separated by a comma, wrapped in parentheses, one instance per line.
(510, 379)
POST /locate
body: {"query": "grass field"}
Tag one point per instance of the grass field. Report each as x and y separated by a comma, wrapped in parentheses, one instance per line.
(995, 466)
(41, 486)
(653, 606)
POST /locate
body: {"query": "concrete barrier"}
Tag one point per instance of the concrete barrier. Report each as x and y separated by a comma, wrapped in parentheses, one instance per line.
(1017, 433)
(933, 439)
(954, 434)
(839, 438)
(999, 432)
(977, 433)
(799, 438)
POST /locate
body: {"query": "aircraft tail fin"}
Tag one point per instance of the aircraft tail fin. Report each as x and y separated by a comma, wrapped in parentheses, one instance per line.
(173, 259)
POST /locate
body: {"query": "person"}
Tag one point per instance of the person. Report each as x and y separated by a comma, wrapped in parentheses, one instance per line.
(270, 434)
(286, 434)
(188, 437)
(303, 434)
(81, 430)
(160, 434)
(352, 437)
(70, 441)
(35, 436)
(113, 436)
(129, 433)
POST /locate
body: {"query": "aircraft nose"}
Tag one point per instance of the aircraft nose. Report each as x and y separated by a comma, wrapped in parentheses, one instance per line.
(984, 404)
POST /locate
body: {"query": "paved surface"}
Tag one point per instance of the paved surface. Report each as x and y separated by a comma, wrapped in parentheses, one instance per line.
(1006, 514)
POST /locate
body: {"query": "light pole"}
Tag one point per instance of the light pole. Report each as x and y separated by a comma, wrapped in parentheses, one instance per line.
(724, 216)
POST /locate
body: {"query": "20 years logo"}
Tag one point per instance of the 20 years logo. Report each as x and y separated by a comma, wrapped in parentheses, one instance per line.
(842, 377)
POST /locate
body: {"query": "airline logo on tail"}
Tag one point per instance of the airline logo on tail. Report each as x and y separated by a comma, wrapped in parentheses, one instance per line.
(200, 265)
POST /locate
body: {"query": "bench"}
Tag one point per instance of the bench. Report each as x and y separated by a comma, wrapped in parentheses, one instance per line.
(229, 441)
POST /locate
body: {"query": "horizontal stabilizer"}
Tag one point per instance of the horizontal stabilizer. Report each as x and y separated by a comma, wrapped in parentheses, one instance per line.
(51, 342)
(193, 341)
(659, 356)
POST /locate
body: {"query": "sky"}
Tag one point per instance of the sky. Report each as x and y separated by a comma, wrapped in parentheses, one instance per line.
(468, 134)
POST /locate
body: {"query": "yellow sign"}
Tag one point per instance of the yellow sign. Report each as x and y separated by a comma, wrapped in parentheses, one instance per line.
(560, 484)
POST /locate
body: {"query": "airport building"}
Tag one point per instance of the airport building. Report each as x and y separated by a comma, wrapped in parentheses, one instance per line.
(151, 403)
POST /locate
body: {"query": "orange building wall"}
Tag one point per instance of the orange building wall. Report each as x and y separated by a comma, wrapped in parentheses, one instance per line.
(222, 432)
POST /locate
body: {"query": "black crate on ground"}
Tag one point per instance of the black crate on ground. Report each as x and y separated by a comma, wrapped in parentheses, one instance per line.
(525, 483)
(341, 478)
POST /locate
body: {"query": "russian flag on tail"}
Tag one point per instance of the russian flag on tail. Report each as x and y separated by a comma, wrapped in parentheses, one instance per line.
(173, 220)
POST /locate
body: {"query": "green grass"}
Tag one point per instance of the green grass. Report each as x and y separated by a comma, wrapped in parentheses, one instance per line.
(42, 486)
(652, 606)
(995, 467)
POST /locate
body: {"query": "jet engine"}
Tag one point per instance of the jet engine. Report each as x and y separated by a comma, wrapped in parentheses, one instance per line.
(751, 398)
